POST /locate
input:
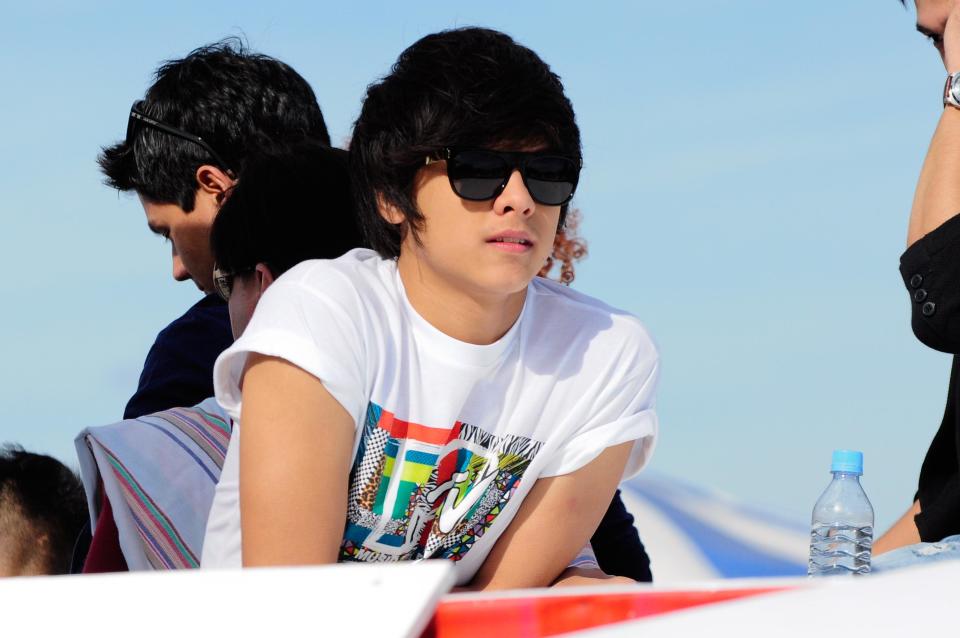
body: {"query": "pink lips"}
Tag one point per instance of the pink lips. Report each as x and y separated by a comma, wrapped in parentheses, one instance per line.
(512, 241)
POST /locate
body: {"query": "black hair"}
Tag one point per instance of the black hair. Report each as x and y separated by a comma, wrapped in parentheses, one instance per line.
(464, 87)
(42, 508)
(288, 207)
(239, 102)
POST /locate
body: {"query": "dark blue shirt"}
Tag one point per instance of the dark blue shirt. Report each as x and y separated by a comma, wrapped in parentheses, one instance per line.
(179, 367)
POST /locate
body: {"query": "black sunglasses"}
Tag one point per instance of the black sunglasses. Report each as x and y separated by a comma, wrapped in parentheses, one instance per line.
(480, 174)
(223, 280)
(138, 117)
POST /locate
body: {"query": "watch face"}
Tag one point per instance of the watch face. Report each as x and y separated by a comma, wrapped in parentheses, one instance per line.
(951, 90)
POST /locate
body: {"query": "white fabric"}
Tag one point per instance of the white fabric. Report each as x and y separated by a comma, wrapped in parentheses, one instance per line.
(572, 377)
(159, 473)
(585, 559)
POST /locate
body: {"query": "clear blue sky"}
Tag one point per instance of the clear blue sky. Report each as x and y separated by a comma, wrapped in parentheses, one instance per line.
(749, 172)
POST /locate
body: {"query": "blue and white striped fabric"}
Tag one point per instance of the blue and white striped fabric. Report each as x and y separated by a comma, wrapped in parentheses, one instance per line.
(159, 473)
(693, 533)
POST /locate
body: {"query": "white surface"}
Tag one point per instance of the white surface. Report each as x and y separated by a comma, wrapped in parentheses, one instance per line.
(335, 600)
(912, 602)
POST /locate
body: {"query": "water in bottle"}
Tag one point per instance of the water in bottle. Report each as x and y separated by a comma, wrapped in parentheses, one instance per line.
(841, 535)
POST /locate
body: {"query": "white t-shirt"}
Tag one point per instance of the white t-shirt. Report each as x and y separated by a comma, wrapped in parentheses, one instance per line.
(450, 436)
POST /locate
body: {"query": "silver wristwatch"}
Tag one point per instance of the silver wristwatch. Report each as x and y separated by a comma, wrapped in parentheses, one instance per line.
(951, 90)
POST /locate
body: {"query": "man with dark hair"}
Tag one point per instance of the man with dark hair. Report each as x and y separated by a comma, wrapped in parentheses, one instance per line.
(187, 143)
(488, 413)
(42, 510)
(930, 268)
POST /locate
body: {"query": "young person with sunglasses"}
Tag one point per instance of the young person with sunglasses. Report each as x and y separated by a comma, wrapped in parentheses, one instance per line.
(433, 393)
(187, 142)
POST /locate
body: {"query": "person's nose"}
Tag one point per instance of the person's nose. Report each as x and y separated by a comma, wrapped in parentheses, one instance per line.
(515, 198)
(180, 272)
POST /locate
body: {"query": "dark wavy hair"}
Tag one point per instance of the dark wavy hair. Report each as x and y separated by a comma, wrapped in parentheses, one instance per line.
(464, 87)
(238, 101)
(288, 207)
(42, 509)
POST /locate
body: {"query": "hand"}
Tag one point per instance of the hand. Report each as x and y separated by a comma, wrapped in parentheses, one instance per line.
(583, 577)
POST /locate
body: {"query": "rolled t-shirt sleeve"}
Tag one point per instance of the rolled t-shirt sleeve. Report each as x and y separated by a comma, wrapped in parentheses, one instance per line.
(623, 412)
(315, 327)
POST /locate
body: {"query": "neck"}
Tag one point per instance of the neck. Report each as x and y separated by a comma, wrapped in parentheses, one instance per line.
(467, 315)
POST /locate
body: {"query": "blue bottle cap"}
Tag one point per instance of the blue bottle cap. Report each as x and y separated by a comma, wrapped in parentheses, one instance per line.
(848, 461)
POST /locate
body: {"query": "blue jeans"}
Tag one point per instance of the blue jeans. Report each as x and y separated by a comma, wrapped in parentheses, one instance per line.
(919, 554)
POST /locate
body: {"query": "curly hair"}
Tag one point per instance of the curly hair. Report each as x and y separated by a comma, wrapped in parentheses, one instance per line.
(568, 247)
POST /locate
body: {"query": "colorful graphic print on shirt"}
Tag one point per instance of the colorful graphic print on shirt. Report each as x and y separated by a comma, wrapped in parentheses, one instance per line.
(425, 492)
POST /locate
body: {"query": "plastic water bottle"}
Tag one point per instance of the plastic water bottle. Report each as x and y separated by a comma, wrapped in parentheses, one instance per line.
(841, 535)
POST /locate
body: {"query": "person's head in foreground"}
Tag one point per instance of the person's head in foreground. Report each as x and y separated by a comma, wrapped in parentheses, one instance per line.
(190, 138)
(467, 123)
(42, 510)
(289, 207)
(435, 398)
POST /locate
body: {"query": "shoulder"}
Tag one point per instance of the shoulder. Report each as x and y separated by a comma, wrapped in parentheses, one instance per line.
(359, 276)
(179, 365)
(564, 315)
(207, 317)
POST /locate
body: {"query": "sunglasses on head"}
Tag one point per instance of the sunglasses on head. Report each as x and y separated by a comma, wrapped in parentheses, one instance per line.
(223, 280)
(479, 174)
(138, 118)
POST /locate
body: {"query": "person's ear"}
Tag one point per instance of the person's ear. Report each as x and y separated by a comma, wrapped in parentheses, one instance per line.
(264, 277)
(213, 182)
(390, 212)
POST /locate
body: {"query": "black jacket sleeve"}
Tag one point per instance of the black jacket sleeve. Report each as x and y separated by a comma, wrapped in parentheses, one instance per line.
(931, 271)
(617, 545)
(939, 485)
(179, 367)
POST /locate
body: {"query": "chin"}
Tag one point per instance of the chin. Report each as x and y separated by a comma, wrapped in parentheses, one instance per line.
(508, 284)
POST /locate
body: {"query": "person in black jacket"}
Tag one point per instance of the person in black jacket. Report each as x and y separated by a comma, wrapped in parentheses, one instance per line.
(930, 268)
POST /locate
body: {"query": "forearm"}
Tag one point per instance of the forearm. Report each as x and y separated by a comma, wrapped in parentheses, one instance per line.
(587, 577)
(937, 197)
(555, 520)
(903, 532)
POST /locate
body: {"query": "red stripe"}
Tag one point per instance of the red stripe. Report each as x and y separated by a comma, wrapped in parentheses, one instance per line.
(408, 430)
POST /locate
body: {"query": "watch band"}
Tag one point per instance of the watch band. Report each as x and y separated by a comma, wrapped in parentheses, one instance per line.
(951, 90)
